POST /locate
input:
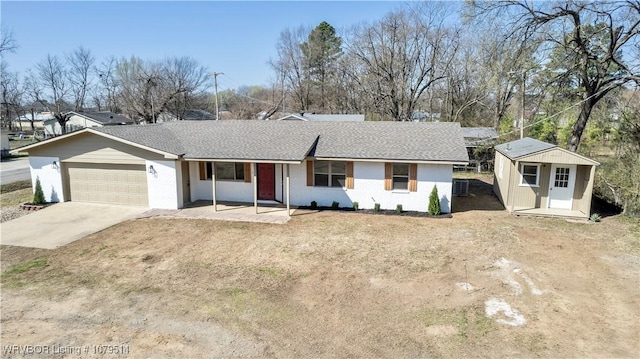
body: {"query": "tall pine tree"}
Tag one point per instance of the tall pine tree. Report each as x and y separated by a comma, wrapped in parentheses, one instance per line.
(321, 52)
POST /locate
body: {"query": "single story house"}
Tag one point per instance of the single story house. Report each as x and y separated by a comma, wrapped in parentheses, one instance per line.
(24, 122)
(80, 120)
(539, 178)
(291, 162)
(321, 117)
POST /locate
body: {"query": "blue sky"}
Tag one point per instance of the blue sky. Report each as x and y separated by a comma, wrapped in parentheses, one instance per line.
(236, 38)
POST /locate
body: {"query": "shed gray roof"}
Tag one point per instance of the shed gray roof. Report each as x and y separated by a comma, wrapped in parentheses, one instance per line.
(523, 147)
(295, 140)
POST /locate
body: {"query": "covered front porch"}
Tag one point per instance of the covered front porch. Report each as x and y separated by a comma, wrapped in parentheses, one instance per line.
(258, 187)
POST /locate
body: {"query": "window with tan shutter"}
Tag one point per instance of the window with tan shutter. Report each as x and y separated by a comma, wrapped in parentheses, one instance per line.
(349, 181)
(413, 177)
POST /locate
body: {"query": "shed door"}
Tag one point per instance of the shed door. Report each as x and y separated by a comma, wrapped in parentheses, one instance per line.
(561, 184)
(108, 183)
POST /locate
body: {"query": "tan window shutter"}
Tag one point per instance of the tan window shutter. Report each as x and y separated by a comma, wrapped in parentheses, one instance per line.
(413, 177)
(247, 172)
(309, 173)
(203, 170)
(349, 175)
(388, 176)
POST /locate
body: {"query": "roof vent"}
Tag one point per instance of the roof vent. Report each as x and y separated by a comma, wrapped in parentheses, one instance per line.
(508, 147)
(111, 116)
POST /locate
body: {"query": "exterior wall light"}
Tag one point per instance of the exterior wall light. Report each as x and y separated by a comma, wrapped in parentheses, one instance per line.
(54, 165)
(152, 170)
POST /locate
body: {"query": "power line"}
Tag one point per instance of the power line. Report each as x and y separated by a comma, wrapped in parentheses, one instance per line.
(546, 118)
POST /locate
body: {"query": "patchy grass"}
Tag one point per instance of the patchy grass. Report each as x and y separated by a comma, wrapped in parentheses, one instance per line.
(334, 284)
(16, 197)
(13, 278)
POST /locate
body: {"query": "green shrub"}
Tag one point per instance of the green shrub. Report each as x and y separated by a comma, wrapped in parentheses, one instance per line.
(335, 205)
(399, 208)
(434, 202)
(595, 217)
(356, 205)
(376, 207)
(314, 205)
(38, 195)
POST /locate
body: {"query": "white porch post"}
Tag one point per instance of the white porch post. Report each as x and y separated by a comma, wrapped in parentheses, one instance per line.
(288, 192)
(213, 184)
(255, 185)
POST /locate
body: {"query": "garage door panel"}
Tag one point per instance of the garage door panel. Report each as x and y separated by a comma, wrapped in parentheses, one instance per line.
(104, 183)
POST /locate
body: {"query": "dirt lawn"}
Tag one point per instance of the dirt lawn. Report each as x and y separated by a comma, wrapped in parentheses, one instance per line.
(481, 284)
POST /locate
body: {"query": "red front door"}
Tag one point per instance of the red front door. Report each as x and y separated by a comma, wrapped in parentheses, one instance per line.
(266, 181)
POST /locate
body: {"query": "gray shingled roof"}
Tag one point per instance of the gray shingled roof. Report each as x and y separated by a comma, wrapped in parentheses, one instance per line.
(523, 147)
(434, 141)
(294, 140)
(106, 117)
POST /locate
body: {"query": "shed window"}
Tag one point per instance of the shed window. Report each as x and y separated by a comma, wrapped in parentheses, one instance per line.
(233, 171)
(329, 173)
(530, 175)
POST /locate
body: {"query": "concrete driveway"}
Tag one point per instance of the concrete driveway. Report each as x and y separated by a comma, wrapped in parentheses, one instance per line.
(63, 223)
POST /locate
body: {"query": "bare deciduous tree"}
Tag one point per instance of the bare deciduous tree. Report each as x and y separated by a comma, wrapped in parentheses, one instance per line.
(80, 62)
(148, 88)
(290, 66)
(401, 56)
(7, 41)
(52, 76)
(596, 39)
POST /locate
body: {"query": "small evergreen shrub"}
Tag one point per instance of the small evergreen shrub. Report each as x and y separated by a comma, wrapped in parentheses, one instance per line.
(376, 207)
(38, 195)
(595, 218)
(434, 202)
(399, 209)
(335, 205)
(314, 205)
(356, 205)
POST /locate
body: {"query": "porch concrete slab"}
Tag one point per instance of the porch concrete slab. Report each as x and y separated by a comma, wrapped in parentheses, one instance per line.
(63, 223)
(225, 212)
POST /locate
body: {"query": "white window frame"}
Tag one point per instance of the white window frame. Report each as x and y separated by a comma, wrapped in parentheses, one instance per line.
(524, 184)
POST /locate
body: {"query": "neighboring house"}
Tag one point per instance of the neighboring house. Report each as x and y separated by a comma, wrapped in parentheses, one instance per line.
(479, 142)
(535, 177)
(291, 162)
(24, 122)
(188, 115)
(5, 146)
(321, 117)
(80, 120)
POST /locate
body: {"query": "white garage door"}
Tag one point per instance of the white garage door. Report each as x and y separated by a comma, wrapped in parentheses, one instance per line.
(107, 183)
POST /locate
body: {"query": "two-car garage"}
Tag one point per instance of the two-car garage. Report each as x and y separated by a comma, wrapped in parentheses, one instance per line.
(107, 183)
(94, 167)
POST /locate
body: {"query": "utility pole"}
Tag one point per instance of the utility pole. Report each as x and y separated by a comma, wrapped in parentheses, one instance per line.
(522, 87)
(215, 84)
